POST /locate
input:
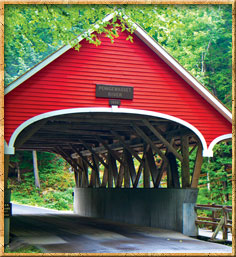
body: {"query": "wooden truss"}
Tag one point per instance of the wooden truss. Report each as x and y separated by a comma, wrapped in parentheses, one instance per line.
(117, 150)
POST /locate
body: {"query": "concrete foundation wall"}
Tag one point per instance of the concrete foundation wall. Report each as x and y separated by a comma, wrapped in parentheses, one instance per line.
(163, 208)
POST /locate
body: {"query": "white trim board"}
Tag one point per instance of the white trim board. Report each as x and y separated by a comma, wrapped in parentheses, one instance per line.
(151, 43)
(207, 152)
(219, 139)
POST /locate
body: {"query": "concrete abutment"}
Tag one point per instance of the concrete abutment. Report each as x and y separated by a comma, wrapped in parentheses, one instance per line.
(163, 208)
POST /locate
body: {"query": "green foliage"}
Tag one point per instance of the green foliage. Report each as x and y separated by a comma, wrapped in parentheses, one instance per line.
(32, 32)
(23, 249)
(218, 177)
(56, 181)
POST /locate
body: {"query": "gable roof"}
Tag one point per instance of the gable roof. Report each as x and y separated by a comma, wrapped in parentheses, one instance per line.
(152, 44)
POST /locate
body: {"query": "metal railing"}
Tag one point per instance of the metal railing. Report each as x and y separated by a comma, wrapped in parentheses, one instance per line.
(217, 218)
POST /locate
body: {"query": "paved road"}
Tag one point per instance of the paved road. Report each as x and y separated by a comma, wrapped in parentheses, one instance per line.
(19, 209)
(56, 232)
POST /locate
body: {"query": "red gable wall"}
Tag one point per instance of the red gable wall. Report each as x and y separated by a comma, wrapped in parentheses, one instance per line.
(69, 82)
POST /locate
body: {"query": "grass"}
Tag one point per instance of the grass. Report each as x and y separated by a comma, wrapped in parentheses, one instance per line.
(23, 249)
(56, 186)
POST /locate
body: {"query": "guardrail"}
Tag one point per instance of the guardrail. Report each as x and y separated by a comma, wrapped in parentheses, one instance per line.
(218, 219)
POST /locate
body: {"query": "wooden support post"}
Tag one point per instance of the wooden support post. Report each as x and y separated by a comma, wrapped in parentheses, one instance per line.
(105, 177)
(113, 166)
(110, 173)
(173, 169)
(197, 167)
(126, 172)
(218, 228)
(6, 169)
(152, 166)
(97, 175)
(85, 181)
(225, 229)
(80, 173)
(76, 178)
(92, 179)
(146, 175)
(169, 177)
(214, 216)
(162, 139)
(36, 170)
(130, 164)
(120, 176)
(185, 163)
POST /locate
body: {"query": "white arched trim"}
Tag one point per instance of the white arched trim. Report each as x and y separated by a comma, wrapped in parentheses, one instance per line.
(7, 149)
(217, 140)
(10, 148)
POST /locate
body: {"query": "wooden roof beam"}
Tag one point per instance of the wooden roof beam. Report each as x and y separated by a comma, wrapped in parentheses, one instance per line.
(163, 140)
(126, 146)
(149, 141)
(67, 157)
(86, 161)
(113, 153)
(94, 153)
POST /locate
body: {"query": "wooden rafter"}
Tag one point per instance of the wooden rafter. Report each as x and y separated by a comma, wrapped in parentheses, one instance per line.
(162, 139)
(94, 153)
(85, 160)
(126, 146)
(193, 148)
(67, 157)
(160, 174)
(112, 152)
(185, 174)
(148, 141)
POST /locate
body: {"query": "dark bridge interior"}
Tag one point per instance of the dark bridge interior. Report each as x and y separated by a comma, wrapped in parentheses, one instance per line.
(112, 145)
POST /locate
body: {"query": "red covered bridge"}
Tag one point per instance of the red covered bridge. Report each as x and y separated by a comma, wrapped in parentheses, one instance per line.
(107, 108)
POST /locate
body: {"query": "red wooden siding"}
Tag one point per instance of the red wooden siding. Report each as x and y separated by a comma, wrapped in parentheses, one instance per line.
(69, 82)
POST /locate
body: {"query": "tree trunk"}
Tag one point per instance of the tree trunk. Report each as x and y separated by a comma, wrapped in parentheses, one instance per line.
(18, 172)
(36, 171)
